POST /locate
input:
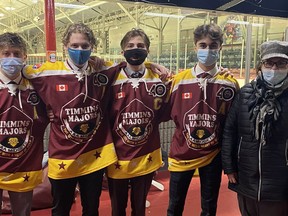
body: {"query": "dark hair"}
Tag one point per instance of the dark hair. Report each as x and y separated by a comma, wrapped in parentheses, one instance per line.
(10, 39)
(79, 28)
(212, 30)
(134, 33)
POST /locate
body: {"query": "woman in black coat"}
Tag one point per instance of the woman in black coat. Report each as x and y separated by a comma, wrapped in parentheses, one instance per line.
(255, 140)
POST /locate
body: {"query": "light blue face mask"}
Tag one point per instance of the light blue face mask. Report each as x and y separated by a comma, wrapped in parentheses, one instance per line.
(274, 77)
(79, 57)
(11, 66)
(208, 57)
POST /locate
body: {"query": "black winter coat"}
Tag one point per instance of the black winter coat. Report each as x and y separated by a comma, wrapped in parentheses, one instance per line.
(262, 169)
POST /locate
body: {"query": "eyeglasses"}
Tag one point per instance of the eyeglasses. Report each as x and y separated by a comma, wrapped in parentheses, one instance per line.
(279, 64)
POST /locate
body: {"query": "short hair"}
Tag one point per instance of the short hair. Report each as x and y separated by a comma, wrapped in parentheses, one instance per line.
(212, 31)
(134, 33)
(10, 39)
(78, 28)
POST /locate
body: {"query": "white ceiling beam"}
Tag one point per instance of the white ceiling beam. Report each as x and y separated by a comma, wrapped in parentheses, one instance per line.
(229, 5)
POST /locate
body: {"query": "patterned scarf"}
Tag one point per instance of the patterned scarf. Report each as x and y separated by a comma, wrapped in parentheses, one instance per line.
(265, 108)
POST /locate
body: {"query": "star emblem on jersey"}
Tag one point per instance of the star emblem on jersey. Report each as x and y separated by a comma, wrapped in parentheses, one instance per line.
(117, 165)
(97, 154)
(150, 159)
(134, 83)
(26, 178)
(62, 166)
(79, 76)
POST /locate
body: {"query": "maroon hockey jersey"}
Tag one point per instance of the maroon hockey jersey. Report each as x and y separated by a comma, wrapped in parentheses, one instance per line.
(135, 117)
(23, 120)
(80, 137)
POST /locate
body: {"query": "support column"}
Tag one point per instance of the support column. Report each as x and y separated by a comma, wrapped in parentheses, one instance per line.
(50, 32)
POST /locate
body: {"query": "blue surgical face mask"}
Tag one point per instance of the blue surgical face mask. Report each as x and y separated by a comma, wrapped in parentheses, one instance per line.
(79, 57)
(11, 66)
(274, 77)
(208, 57)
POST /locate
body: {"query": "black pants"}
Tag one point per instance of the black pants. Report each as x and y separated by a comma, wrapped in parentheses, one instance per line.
(250, 207)
(210, 179)
(118, 190)
(63, 192)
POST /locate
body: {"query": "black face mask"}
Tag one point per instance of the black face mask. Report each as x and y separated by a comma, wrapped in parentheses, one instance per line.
(135, 56)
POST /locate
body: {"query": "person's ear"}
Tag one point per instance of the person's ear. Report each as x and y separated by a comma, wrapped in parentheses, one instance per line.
(25, 57)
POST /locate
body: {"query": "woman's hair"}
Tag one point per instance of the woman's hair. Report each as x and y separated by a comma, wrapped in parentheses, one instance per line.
(212, 31)
(9, 39)
(78, 28)
(134, 33)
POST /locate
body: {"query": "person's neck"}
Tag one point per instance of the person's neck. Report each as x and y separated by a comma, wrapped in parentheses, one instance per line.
(135, 68)
(11, 77)
(206, 68)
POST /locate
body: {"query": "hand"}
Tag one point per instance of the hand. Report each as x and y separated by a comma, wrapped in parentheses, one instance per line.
(50, 115)
(225, 72)
(232, 178)
(96, 63)
(163, 72)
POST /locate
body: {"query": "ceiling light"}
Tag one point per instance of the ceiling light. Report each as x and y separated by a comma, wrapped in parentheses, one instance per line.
(244, 23)
(238, 22)
(9, 8)
(1, 14)
(164, 15)
(73, 6)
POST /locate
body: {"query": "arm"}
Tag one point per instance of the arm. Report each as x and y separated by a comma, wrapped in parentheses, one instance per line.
(163, 72)
(230, 142)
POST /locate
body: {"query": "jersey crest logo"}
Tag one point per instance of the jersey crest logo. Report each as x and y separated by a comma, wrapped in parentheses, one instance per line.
(80, 121)
(199, 129)
(15, 134)
(100, 79)
(135, 123)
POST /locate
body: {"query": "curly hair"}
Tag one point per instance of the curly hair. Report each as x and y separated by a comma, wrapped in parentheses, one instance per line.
(78, 28)
(10, 39)
(212, 31)
(134, 33)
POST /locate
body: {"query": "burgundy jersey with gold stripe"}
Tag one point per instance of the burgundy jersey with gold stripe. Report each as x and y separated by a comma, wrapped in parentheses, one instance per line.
(80, 137)
(23, 120)
(135, 117)
(198, 107)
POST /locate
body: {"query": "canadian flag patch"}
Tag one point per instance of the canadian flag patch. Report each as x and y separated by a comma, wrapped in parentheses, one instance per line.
(187, 95)
(62, 87)
(120, 95)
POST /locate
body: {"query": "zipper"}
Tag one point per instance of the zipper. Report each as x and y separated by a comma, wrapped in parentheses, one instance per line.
(260, 172)
(238, 152)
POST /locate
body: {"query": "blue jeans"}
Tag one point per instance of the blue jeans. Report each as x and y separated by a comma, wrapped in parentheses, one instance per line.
(210, 179)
